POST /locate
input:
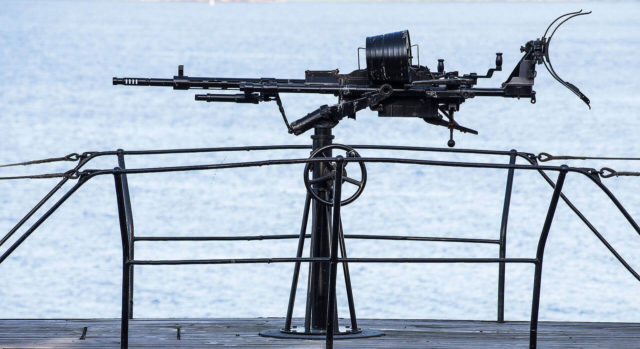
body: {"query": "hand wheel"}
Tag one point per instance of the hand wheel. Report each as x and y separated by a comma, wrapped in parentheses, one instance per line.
(325, 181)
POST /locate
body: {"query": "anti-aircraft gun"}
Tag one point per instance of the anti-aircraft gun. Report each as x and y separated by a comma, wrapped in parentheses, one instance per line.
(390, 84)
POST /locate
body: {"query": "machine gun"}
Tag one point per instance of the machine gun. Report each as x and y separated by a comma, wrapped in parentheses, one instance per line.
(391, 84)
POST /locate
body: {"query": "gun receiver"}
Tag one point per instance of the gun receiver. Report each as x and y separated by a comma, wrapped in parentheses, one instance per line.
(390, 84)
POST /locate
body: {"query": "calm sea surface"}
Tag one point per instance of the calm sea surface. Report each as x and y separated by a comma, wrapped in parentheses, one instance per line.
(57, 59)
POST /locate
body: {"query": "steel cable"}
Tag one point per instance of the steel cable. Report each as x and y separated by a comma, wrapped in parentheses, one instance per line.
(605, 172)
(70, 157)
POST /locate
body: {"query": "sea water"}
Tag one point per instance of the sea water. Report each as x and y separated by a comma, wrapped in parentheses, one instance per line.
(57, 59)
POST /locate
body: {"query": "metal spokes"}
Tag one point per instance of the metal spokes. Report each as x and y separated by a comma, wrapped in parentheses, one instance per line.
(321, 186)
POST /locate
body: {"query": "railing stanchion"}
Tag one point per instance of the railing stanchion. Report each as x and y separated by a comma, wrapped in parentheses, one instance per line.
(130, 229)
(43, 218)
(126, 266)
(503, 236)
(333, 269)
(296, 269)
(537, 281)
(347, 281)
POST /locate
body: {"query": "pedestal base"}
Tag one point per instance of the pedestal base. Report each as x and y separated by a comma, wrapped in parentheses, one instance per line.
(299, 333)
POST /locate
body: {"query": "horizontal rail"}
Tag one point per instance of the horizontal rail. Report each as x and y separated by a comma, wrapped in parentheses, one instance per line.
(328, 259)
(218, 238)
(295, 236)
(89, 155)
(92, 173)
(421, 238)
(215, 149)
(438, 260)
(294, 147)
(229, 261)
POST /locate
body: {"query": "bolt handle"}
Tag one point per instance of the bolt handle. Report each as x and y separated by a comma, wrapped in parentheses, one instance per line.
(440, 65)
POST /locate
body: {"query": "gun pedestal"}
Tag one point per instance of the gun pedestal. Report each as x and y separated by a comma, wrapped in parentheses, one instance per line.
(315, 319)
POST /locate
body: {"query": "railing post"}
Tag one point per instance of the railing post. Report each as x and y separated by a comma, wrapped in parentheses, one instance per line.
(296, 268)
(503, 236)
(44, 217)
(537, 280)
(347, 281)
(129, 218)
(333, 269)
(126, 266)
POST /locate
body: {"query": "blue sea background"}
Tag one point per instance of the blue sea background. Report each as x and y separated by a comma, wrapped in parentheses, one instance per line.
(57, 59)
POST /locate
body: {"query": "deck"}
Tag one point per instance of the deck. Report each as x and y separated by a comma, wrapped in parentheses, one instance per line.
(243, 333)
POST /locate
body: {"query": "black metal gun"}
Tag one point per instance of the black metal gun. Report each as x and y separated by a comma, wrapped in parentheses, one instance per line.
(391, 84)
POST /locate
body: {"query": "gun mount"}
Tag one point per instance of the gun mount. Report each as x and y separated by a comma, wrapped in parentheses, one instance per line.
(390, 84)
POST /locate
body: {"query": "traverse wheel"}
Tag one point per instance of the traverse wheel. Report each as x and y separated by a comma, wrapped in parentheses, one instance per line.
(325, 181)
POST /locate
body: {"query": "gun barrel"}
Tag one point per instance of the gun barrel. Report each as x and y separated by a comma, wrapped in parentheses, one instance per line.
(187, 83)
(143, 82)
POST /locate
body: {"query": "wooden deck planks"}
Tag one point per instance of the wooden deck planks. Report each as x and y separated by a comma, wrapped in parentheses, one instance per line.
(243, 333)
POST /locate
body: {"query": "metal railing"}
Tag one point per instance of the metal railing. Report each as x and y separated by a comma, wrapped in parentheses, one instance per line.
(128, 237)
